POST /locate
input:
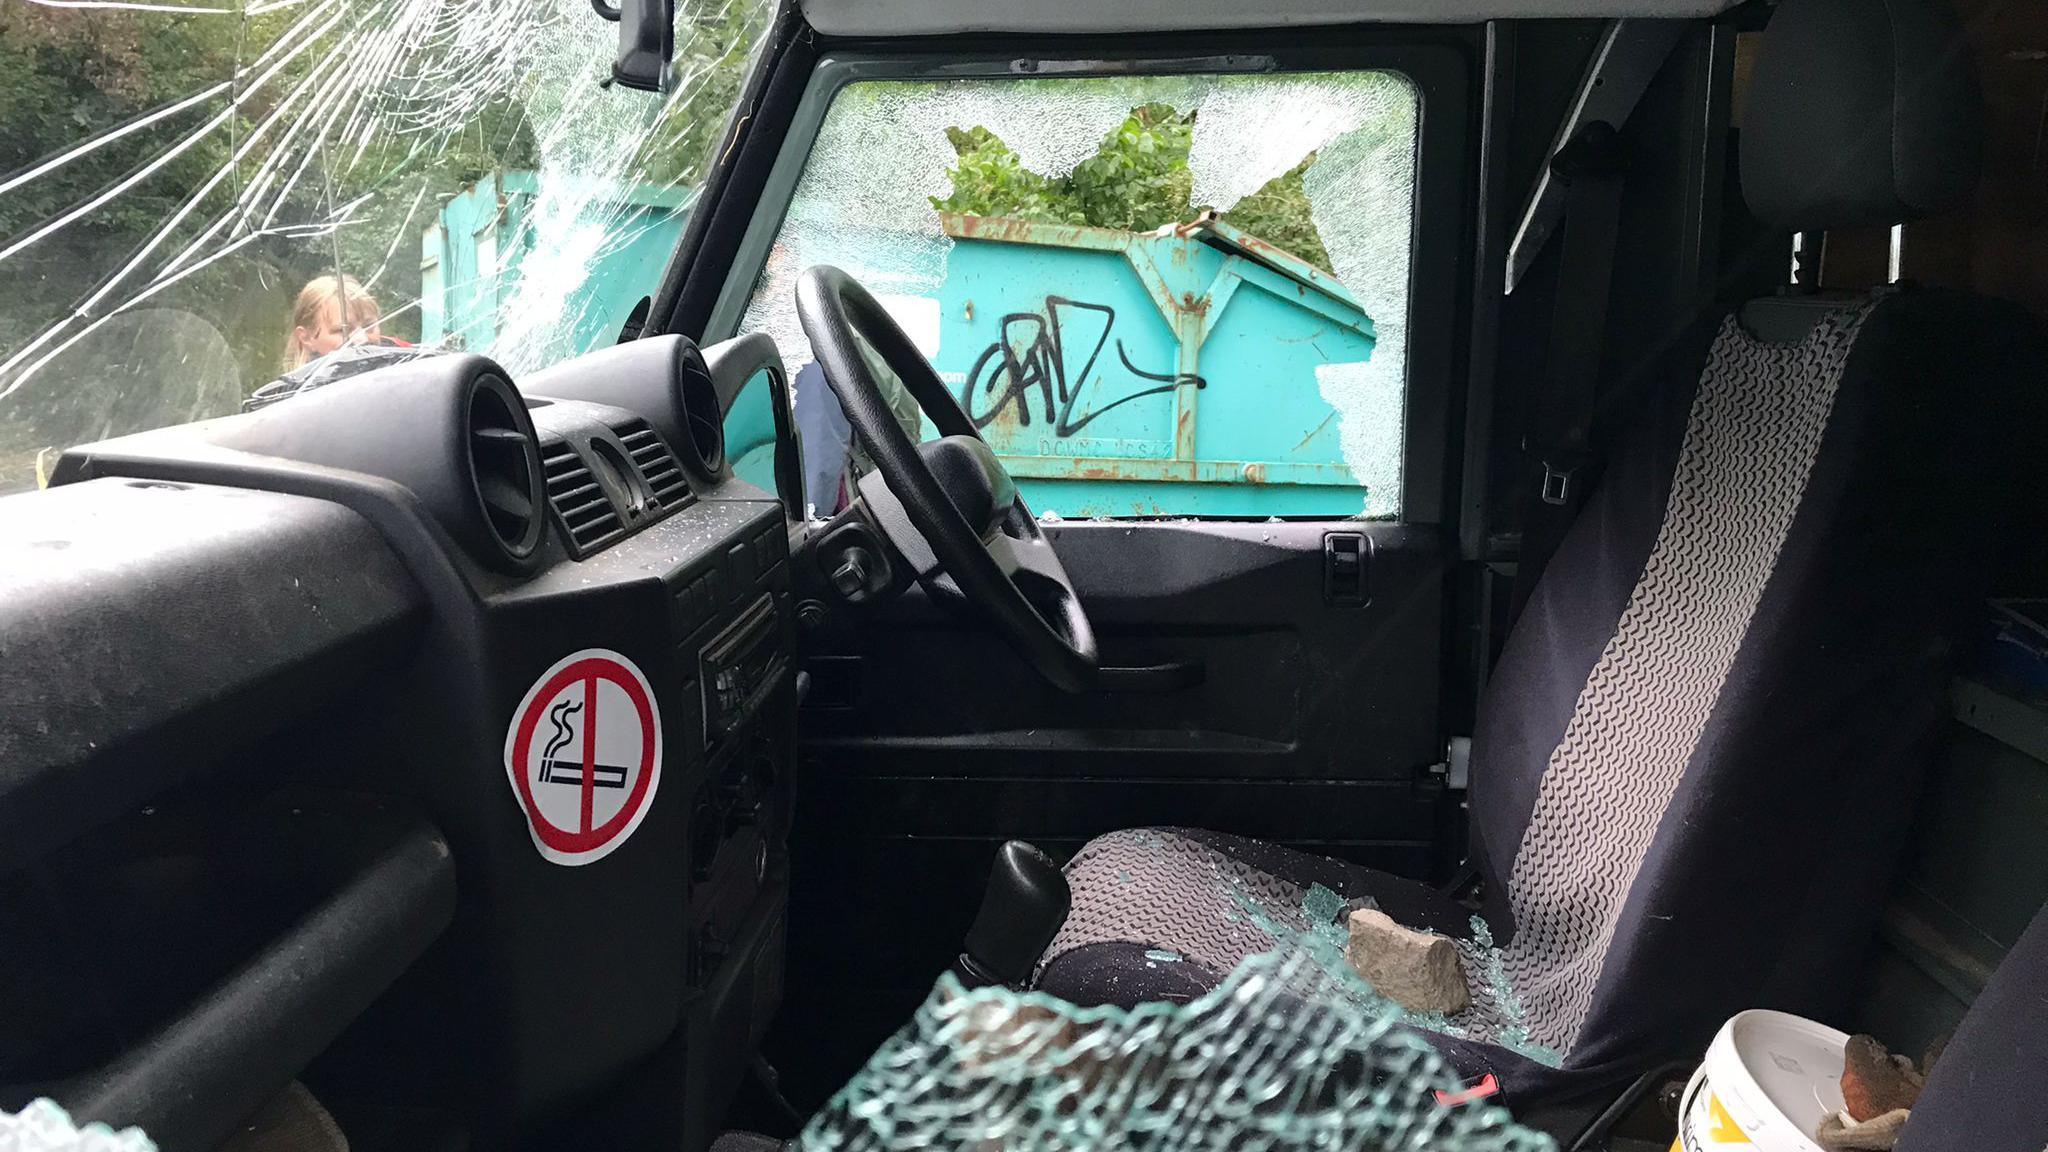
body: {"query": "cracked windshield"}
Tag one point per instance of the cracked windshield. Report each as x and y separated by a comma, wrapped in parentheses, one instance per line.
(1154, 295)
(209, 205)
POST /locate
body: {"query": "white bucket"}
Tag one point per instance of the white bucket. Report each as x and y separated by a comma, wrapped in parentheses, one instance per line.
(1768, 1080)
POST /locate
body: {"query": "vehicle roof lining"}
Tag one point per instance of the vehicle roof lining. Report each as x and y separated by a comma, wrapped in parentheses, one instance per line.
(929, 18)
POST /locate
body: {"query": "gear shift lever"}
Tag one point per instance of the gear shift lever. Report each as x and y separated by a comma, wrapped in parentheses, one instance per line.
(1023, 909)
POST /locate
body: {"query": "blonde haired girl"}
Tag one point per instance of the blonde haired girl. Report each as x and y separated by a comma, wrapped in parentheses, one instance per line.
(320, 323)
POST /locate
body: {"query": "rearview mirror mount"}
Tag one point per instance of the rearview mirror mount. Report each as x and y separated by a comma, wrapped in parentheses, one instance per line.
(646, 41)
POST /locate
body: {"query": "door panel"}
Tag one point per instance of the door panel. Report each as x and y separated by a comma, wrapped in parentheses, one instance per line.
(1290, 686)
(928, 743)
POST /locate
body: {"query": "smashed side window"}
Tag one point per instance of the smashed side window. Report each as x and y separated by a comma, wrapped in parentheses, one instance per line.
(206, 204)
(1291, 1051)
(1154, 295)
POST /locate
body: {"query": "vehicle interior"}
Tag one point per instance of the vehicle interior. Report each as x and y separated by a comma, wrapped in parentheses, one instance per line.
(1565, 474)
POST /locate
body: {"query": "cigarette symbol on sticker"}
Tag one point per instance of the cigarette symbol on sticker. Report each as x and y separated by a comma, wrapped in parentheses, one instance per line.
(570, 771)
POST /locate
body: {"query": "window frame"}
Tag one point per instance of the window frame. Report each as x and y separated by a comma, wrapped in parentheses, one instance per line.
(1440, 68)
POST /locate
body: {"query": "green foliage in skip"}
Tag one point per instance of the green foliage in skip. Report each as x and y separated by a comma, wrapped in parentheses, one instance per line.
(1138, 180)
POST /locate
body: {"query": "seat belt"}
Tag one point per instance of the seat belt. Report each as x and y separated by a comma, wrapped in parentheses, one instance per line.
(1559, 435)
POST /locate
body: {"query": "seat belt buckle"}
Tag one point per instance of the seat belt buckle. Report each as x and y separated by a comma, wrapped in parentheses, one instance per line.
(1557, 483)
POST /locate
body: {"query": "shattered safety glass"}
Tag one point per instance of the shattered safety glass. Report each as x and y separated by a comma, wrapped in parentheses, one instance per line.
(1153, 295)
(1292, 1051)
(206, 205)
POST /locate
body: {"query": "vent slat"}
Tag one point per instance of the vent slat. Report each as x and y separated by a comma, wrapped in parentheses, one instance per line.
(580, 505)
(657, 463)
(586, 514)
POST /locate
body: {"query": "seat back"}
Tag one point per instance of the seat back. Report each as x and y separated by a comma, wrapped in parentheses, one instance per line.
(1698, 754)
(1984, 1094)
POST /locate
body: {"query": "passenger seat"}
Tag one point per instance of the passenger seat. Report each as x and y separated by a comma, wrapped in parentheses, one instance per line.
(1989, 1089)
(1696, 761)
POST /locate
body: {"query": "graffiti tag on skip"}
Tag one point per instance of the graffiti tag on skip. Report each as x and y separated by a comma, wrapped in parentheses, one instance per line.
(1030, 357)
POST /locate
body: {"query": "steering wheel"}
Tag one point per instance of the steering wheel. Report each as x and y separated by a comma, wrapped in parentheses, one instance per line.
(946, 506)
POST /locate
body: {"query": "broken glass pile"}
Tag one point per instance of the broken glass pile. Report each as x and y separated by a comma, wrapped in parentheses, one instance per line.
(1291, 1051)
(44, 1127)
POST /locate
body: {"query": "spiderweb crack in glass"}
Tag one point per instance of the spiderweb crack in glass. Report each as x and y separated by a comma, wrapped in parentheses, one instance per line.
(1291, 1051)
(206, 159)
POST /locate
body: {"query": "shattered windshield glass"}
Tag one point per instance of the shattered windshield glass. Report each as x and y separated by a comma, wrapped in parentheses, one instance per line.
(208, 204)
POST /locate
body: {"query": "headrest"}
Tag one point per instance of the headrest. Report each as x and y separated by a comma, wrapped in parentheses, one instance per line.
(1860, 113)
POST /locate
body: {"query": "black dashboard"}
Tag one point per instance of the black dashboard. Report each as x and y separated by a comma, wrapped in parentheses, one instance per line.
(469, 703)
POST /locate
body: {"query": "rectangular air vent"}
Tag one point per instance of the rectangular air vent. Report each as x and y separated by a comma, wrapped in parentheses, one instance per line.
(657, 463)
(581, 507)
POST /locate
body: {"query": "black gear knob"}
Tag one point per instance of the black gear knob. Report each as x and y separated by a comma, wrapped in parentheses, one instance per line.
(1023, 909)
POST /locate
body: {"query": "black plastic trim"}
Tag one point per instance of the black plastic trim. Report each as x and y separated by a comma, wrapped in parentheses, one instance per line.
(197, 1079)
(736, 362)
(149, 624)
(663, 379)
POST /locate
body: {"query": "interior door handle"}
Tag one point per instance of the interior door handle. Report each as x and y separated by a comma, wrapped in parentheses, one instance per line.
(1170, 677)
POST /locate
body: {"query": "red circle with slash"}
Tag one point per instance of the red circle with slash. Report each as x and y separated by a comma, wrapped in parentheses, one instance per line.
(584, 755)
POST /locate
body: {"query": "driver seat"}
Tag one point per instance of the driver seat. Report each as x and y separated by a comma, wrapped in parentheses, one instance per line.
(1697, 758)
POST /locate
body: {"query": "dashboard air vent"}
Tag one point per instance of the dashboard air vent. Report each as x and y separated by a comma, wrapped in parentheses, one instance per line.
(657, 463)
(503, 470)
(586, 513)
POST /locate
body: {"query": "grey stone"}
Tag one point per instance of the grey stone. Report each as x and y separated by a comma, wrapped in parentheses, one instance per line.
(1420, 971)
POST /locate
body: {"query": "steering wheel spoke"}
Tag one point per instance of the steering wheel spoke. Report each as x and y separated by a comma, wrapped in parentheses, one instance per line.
(1028, 560)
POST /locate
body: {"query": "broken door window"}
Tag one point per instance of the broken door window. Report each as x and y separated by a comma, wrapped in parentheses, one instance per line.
(1291, 1052)
(1161, 295)
(198, 197)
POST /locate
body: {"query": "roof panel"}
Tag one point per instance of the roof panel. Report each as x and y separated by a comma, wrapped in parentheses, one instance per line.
(934, 17)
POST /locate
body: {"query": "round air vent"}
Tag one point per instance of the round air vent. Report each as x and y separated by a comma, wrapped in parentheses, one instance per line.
(703, 418)
(504, 467)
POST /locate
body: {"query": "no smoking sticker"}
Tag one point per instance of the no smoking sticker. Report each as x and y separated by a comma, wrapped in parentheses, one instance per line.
(584, 755)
